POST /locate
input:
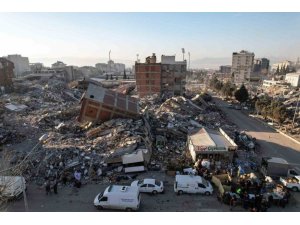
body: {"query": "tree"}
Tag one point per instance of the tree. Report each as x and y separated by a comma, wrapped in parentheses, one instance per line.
(277, 70)
(287, 69)
(106, 78)
(227, 89)
(124, 76)
(111, 76)
(241, 94)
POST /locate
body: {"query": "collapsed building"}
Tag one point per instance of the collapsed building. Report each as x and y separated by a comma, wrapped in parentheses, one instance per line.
(100, 104)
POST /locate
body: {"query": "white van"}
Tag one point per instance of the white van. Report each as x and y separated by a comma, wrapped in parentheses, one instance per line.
(119, 197)
(11, 186)
(192, 184)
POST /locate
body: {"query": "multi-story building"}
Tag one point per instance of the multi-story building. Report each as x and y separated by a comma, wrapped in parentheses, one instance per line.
(283, 64)
(173, 75)
(225, 69)
(242, 64)
(261, 66)
(6, 75)
(148, 77)
(293, 79)
(21, 64)
(167, 77)
(110, 67)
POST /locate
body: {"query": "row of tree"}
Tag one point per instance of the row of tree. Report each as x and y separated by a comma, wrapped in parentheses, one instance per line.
(266, 106)
(271, 108)
(229, 90)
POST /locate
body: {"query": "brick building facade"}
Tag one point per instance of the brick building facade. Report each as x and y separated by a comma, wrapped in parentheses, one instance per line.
(167, 77)
(100, 104)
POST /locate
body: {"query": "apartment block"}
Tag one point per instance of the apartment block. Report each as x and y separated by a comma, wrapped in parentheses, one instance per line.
(148, 77)
(165, 78)
(242, 64)
(21, 64)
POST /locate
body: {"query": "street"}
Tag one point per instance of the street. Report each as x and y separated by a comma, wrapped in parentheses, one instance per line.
(271, 142)
(70, 199)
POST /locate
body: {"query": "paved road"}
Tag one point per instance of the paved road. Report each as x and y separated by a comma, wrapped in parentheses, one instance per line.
(70, 199)
(272, 143)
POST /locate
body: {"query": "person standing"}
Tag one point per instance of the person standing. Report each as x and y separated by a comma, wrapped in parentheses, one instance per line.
(232, 202)
(77, 176)
(55, 186)
(48, 187)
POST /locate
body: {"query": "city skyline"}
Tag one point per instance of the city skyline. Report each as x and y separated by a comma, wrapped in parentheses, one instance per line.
(86, 38)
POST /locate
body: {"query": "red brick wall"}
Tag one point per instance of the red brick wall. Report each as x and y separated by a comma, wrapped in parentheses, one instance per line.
(114, 105)
(148, 78)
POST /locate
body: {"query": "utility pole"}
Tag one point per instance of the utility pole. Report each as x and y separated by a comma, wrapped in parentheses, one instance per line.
(295, 112)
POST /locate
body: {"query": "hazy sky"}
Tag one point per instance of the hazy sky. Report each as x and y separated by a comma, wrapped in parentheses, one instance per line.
(86, 38)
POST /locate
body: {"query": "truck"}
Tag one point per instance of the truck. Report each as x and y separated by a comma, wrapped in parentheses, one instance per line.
(291, 182)
(276, 167)
(192, 184)
(118, 197)
(12, 186)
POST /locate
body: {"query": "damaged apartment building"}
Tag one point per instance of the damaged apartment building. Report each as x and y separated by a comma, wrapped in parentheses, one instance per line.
(6, 75)
(100, 104)
(166, 78)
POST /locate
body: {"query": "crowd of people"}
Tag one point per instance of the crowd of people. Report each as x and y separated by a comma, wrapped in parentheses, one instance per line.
(51, 183)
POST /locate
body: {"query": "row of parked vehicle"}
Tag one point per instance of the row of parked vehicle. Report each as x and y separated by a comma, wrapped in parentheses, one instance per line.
(129, 197)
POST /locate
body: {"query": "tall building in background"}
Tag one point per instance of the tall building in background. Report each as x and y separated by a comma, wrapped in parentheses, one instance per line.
(225, 69)
(21, 64)
(110, 67)
(165, 78)
(261, 66)
(242, 64)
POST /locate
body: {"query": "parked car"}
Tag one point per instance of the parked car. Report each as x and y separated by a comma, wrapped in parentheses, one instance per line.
(118, 197)
(291, 182)
(230, 106)
(149, 186)
(238, 107)
(192, 184)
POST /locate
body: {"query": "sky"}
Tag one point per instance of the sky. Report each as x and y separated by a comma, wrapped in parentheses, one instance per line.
(86, 38)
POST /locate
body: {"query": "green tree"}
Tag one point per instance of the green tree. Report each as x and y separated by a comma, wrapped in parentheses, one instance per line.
(241, 94)
(227, 89)
(277, 70)
(124, 76)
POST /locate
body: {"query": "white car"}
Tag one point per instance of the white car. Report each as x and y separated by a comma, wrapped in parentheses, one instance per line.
(149, 186)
